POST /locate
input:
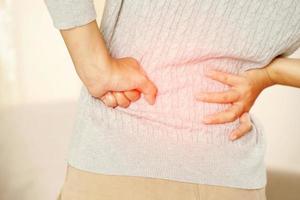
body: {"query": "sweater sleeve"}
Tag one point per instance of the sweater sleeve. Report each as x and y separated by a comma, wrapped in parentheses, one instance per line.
(68, 14)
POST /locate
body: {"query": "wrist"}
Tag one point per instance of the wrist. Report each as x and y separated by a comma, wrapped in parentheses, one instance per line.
(268, 81)
(95, 73)
(94, 57)
(273, 69)
(258, 78)
(91, 55)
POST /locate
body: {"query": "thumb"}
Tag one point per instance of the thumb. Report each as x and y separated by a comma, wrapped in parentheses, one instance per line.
(148, 88)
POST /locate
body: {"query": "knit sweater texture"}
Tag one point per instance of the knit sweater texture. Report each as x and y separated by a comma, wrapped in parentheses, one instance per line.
(176, 42)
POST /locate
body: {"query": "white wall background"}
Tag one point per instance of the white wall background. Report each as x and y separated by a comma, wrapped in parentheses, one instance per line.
(48, 87)
(44, 71)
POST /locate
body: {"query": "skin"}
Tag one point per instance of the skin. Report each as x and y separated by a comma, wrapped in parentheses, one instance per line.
(120, 81)
(245, 88)
(115, 81)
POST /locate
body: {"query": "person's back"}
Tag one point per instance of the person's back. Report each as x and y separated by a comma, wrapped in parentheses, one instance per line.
(176, 42)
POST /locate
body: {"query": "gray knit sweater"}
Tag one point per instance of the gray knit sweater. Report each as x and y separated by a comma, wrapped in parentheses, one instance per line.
(175, 42)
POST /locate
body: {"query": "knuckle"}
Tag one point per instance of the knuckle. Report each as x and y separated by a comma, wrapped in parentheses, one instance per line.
(122, 101)
(127, 105)
(124, 104)
(109, 103)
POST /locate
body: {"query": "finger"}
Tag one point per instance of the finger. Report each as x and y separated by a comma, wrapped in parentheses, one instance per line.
(148, 88)
(132, 95)
(224, 77)
(218, 97)
(244, 128)
(121, 99)
(228, 115)
(109, 100)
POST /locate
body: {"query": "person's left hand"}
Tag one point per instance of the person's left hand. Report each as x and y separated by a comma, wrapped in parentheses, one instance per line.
(244, 90)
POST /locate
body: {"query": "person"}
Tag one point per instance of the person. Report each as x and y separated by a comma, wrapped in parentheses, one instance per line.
(200, 65)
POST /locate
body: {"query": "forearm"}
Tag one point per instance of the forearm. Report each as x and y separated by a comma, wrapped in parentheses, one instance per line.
(86, 48)
(285, 71)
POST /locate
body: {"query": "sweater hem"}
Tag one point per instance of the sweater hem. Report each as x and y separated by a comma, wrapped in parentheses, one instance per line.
(152, 174)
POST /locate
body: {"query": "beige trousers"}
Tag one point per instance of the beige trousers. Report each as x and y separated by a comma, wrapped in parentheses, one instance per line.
(82, 185)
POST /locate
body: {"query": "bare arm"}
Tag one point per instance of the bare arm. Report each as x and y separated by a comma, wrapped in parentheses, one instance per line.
(116, 81)
(285, 71)
(88, 52)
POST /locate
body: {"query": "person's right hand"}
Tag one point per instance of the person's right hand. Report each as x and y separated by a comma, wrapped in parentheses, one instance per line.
(120, 84)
